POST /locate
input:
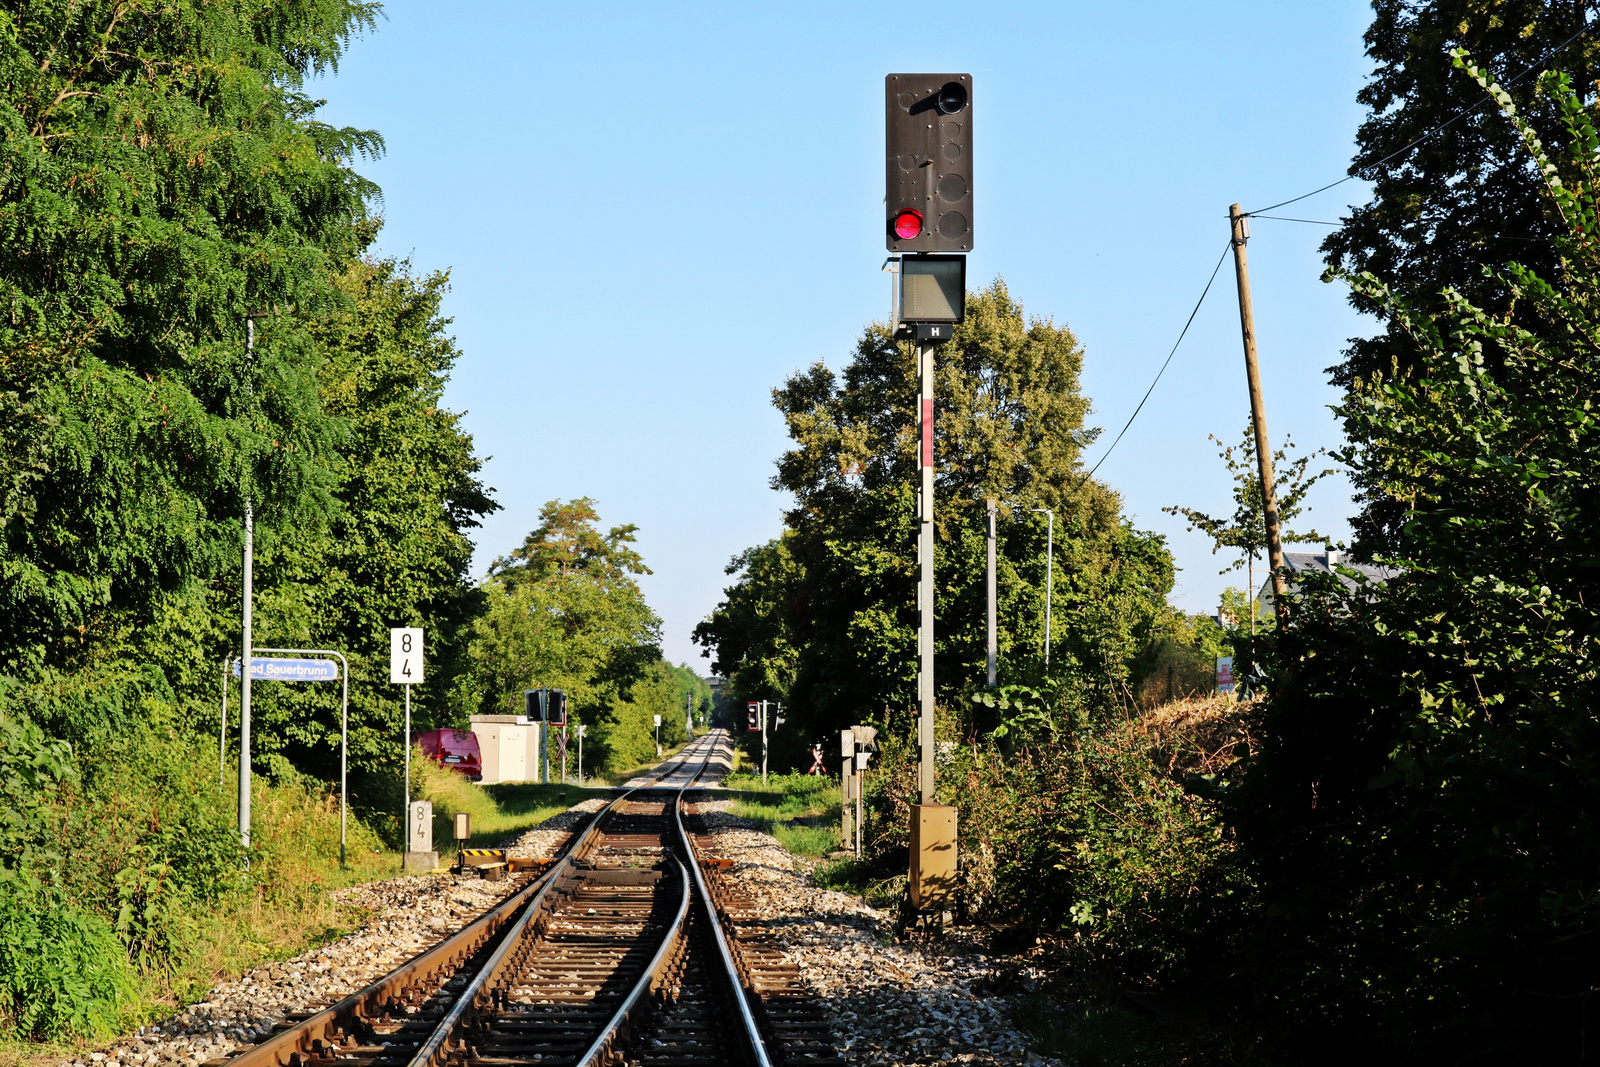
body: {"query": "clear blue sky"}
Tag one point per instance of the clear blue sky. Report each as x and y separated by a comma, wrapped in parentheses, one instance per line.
(652, 214)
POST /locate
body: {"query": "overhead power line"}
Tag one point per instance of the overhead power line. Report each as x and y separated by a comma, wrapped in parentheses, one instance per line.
(1284, 218)
(1181, 334)
(1259, 213)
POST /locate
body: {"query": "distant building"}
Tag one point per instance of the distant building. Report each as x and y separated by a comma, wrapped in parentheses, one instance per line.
(1327, 563)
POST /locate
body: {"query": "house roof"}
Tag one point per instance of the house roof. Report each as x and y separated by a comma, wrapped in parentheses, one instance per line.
(1313, 562)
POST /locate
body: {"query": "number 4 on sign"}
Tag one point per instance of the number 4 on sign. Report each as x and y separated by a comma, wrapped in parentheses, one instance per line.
(405, 655)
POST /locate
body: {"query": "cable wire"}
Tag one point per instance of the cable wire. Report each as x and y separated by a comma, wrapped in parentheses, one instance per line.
(1183, 333)
(1258, 213)
(1535, 65)
(1283, 218)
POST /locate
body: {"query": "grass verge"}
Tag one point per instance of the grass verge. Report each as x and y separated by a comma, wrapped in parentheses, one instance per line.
(800, 810)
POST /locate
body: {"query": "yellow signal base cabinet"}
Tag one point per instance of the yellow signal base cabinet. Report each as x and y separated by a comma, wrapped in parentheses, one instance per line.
(933, 855)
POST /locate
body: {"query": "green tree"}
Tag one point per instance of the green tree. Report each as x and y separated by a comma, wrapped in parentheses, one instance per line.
(162, 177)
(690, 691)
(747, 635)
(565, 611)
(1246, 529)
(1421, 815)
(826, 616)
(1462, 198)
(566, 541)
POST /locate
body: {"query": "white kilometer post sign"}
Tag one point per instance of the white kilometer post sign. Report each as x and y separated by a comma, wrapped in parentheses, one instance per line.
(405, 668)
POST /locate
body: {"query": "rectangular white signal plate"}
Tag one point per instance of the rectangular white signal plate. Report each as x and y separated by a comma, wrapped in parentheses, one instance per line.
(405, 655)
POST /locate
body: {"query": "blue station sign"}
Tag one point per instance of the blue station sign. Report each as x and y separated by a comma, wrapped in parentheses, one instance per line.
(291, 670)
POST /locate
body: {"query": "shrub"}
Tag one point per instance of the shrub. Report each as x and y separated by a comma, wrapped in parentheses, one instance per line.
(1421, 818)
(62, 970)
(1089, 841)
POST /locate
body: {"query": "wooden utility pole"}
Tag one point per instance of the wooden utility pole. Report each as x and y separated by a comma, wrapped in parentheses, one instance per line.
(1258, 412)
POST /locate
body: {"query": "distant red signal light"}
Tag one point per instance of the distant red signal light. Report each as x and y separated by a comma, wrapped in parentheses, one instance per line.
(908, 224)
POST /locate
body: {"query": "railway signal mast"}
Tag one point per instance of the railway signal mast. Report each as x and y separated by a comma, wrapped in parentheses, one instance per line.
(928, 222)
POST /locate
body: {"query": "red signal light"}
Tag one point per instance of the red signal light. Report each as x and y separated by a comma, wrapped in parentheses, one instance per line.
(908, 224)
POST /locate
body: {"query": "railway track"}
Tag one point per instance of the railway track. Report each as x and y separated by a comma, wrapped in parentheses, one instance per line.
(633, 947)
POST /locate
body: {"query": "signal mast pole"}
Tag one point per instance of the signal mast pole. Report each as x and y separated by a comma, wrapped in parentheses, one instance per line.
(925, 555)
(928, 224)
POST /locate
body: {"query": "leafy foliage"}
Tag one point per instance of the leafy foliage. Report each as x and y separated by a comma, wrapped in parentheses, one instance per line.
(565, 542)
(1421, 814)
(565, 611)
(1457, 199)
(395, 551)
(62, 970)
(161, 179)
(164, 180)
(1246, 529)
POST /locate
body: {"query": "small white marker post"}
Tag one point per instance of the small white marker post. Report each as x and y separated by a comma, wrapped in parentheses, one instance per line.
(658, 736)
(405, 668)
(581, 729)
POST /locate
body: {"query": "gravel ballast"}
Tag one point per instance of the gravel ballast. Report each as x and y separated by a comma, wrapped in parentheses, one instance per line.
(888, 1003)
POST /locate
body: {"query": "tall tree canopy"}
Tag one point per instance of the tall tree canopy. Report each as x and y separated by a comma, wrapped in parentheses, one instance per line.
(825, 617)
(565, 611)
(566, 542)
(1464, 197)
(162, 177)
(395, 551)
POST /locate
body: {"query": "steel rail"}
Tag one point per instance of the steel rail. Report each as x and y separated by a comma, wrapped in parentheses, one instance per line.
(742, 994)
(434, 1050)
(434, 1047)
(300, 1039)
(647, 981)
(620, 1018)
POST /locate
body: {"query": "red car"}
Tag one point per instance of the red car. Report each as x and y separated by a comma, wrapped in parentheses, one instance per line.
(456, 749)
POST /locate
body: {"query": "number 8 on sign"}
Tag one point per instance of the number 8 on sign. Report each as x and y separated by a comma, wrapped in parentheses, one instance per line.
(405, 655)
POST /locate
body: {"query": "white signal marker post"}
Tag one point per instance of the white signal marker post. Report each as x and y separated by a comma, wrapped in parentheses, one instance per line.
(580, 753)
(405, 668)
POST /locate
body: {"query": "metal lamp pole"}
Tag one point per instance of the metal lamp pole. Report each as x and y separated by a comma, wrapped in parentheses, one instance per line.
(1049, 576)
(249, 593)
